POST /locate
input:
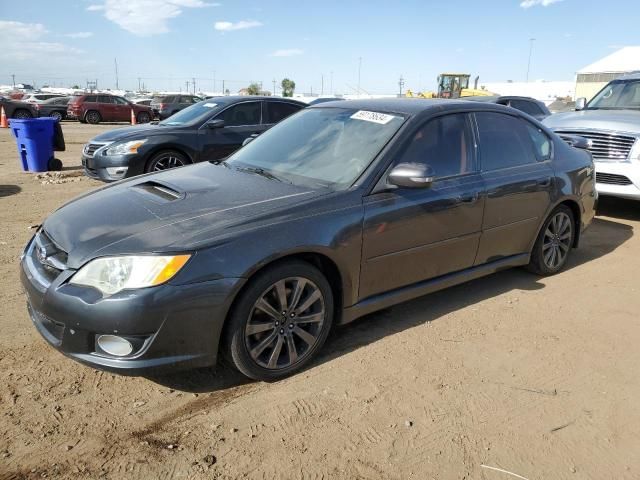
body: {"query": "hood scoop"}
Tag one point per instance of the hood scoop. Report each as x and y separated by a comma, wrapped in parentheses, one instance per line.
(158, 192)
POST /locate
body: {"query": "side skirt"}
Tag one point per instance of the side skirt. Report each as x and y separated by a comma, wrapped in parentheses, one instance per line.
(403, 294)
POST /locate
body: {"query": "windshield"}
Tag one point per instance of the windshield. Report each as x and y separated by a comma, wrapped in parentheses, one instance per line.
(319, 147)
(195, 113)
(617, 95)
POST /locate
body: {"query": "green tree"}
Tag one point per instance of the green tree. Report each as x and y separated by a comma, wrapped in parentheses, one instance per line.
(76, 87)
(253, 89)
(288, 87)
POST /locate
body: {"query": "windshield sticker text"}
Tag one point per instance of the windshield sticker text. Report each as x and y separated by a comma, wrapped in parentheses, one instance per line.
(375, 117)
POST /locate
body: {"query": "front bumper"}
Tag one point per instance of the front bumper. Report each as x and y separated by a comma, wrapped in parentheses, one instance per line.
(618, 179)
(106, 168)
(170, 326)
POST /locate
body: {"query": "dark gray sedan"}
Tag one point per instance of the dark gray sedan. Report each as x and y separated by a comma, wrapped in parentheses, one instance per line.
(340, 210)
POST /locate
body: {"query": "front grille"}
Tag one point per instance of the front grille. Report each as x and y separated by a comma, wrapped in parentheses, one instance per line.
(603, 145)
(90, 148)
(612, 179)
(48, 255)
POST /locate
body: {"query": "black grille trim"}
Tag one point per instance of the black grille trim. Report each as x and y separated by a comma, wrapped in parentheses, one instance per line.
(612, 179)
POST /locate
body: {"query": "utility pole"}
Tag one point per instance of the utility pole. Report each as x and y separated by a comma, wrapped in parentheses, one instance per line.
(401, 84)
(322, 84)
(139, 83)
(115, 60)
(531, 40)
(187, 84)
(359, 69)
(274, 87)
(223, 91)
(332, 82)
(194, 85)
(13, 79)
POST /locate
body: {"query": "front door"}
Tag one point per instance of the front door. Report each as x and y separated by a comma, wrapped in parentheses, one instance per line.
(411, 235)
(240, 122)
(515, 161)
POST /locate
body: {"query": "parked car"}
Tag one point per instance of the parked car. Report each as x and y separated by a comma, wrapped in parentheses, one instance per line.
(531, 106)
(209, 130)
(41, 97)
(142, 101)
(611, 122)
(165, 106)
(17, 108)
(55, 107)
(97, 107)
(342, 209)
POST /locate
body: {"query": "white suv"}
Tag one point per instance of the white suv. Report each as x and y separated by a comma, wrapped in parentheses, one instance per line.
(611, 123)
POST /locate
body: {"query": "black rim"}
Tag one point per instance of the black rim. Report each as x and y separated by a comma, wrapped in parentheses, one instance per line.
(167, 161)
(144, 118)
(56, 115)
(22, 115)
(93, 117)
(557, 240)
(285, 323)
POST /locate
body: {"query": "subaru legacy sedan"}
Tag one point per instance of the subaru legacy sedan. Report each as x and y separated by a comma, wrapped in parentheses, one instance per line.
(338, 211)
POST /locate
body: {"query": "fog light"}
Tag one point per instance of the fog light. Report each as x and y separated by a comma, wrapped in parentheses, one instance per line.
(114, 345)
(117, 172)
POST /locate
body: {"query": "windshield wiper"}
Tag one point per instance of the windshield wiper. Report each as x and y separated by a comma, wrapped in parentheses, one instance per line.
(260, 171)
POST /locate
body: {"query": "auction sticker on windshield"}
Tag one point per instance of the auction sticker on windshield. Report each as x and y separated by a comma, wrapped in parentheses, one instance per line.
(375, 117)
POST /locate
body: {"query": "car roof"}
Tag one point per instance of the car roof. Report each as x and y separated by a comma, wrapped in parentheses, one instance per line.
(228, 100)
(405, 106)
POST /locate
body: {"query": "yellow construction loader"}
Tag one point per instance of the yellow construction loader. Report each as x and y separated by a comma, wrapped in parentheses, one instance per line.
(453, 85)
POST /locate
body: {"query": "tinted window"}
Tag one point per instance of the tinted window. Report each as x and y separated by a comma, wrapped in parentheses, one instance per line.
(242, 114)
(187, 100)
(90, 98)
(504, 141)
(276, 111)
(540, 141)
(527, 107)
(120, 101)
(105, 99)
(444, 144)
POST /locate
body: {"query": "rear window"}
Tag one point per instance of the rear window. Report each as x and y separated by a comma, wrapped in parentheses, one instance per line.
(90, 98)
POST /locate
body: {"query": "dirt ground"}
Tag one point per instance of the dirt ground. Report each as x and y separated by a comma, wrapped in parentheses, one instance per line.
(535, 376)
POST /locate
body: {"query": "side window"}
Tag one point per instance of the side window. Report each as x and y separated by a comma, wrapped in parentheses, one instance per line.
(242, 114)
(276, 111)
(105, 99)
(541, 142)
(527, 107)
(504, 141)
(444, 144)
(187, 100)
(91, 99)
(120, 101)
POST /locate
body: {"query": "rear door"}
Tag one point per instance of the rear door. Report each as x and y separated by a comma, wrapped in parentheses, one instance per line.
(412, 234)
(122, 109)
(241, 120)
(107, 108)
(515, 160)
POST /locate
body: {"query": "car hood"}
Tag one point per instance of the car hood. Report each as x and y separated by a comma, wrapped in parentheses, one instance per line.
(132, 133)
(177, 210)
(613, 120)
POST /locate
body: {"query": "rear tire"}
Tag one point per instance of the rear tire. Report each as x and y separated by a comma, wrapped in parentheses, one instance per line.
(554, 243)
(21, 113)
(93, 117)
(280, 337)
(57, 116)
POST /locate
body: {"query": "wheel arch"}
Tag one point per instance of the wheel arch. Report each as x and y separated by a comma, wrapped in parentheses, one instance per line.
(161, 147)
(574, 206)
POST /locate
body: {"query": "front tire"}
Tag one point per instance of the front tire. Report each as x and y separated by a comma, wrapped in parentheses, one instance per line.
(22, 114)
(553, 245)
(165, 160)
(144, 117)
(57, 116)
(279, 322)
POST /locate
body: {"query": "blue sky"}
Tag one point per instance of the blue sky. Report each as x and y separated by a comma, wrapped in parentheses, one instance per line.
(167, 42)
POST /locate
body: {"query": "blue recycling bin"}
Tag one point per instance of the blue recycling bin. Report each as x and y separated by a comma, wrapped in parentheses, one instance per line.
(35, 141)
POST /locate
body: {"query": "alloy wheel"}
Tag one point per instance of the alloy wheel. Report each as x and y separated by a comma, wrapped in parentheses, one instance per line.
(93, 117)
(168, 161)
(557, 240)
(22, 114)
(56, 115)
(285, 323)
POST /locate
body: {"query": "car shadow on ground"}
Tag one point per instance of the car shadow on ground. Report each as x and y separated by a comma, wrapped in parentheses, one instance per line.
(619, 208)
(603, 237)
(8, 190)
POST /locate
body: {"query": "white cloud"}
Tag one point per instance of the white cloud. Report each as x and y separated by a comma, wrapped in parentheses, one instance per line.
(241, 25)
(23, 41)
(146, 17)
(287, 52)
(534, 3)
(79, 35)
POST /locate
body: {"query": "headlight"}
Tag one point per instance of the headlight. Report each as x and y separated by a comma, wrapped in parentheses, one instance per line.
(124, 148)
(112, 274)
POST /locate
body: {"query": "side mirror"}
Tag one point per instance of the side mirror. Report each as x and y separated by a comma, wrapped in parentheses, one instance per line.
(215, 123)
(411, 175)
(581, 103)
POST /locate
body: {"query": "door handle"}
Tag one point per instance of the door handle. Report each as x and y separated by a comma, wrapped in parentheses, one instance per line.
(470, 198)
